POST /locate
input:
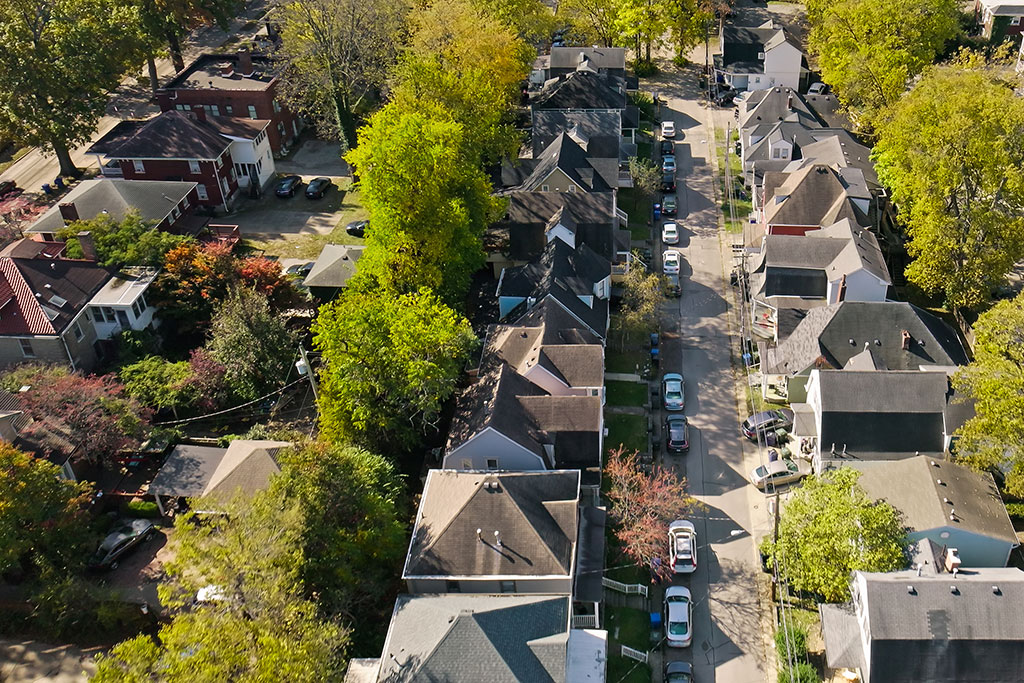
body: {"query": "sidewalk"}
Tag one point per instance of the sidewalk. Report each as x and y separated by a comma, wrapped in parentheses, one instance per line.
(25, 661)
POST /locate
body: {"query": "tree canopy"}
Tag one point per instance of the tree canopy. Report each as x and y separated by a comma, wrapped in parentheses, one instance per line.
(389, 364)
(593, 20)
(993, 438)
(829, 528)
(952, 154)
(129, 242)
(868, 50)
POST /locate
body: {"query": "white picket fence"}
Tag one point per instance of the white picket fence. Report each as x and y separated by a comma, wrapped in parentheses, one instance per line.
(584, 621)
(627, 588)
(638, 655)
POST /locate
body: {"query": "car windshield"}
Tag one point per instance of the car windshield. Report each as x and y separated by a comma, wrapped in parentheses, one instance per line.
(761, 471)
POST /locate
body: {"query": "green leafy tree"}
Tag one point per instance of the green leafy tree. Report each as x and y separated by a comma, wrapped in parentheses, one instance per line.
(593, 20)
(389, 364)
(339, 54)
(993, 438)
(829, 528)
(646, 22)
(688, 23)
(646, 178)
(868, 50)
(43, 518)
(642, 294)
(130, 242)
(157, 382)
(170, 20)
(60, 59)
(252, 343)
(953, 155)
(530, 20)
(428, 199)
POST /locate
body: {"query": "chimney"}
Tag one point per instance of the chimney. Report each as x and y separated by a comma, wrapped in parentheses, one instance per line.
(88, 245)
(841, 290)
(69, 212)
(789, 103)
(228, 70)
(244, 63)
(198, 113)
(952, 561)
(906, 340)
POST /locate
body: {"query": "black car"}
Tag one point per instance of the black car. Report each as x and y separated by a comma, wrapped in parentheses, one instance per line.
(667, 147)
(299, 270)
(669, 205)
(724, 98)
(357, 228)
(678, 672)
(287, 186)
(677, 434)
(668, 182)
(317, 187)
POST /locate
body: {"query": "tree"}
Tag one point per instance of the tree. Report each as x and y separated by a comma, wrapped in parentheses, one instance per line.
(953, 156)
(642, 294)
(643, 505)
(389, 364)
(101, 419)
(645, 21)
(646, 178)
(995, 381)
(157, 382)
(169, 20)
(868, 50)
(60, 59)
(339, 54)
(131, 241)
(530, 20)
(829, 528)
(43, 517)
(206, 381)
(592, 20)
(428, 199)
(17, 212)
(252, 343)
(688, 22)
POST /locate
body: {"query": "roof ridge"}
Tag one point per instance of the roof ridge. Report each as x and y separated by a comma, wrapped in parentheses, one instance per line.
(533, 527)
(34, 316)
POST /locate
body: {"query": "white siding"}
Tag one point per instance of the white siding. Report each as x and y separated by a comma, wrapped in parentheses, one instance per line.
(491, 445)
(860, 286)
(782, 66)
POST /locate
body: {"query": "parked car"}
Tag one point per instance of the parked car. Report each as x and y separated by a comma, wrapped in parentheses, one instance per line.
(7, 186)
(678, 672)
(818, 88)
(682, 546)
(668, 205)
(668, 163)
(125, 536)
(318, 187)
(668, 182)
(678, 616)
(670, 262)
(670, 233)
(725, 98)
(677, 434)
(668, 129)
(287, 186)
(767, 420)
(667, 147)
(776, 473)
(672, 387)
(299, 270)
(357, 228)
(672, 287)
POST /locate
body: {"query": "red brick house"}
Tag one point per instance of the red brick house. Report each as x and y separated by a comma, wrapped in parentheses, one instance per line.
(191, 147)
(240, 85)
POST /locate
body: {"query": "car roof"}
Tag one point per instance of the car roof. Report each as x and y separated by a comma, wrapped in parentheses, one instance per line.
(677, 591)
(673, 375)
(678, 667)
(682, 524)
(675, 417)
(782, 465)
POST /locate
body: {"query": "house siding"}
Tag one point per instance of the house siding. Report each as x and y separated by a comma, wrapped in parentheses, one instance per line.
(782, 66)
(557, 181)
(488, 585)
(801, 230)
(489, 444)
(46, 349)
(860, 286)
(209, 176)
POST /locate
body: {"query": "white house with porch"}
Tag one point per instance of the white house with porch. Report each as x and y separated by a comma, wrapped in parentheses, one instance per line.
(121, 304)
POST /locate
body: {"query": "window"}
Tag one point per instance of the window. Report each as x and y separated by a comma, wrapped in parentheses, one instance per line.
(234, 176)
(228, 109)
(259, 165)
(181, 107)
(137, 309)
(543, 188)
(212, 109)
(467, 464)
(139, 166)
(193, 166)
(280, 129)
(184, 203)
(26, 348)
(201, 192)
(108, 314)
(77, 329)
(174, 212)
(142, 302)
(277, 106)
(219, 162)
(508, 586)
(452, 587)
(492, 463)
(252, 111)
(1015, 21)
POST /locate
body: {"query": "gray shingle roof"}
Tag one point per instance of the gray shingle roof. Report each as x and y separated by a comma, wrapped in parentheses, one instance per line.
(534, 512)
(245, 465)
(476, 639)
(582, 90)
(522, 234)
(814, 194)
(599, 57)
(557, 350)
(335, 266)
(911, 486)
(776, 104)
(591, 172)
(576, 270)
(153, 199)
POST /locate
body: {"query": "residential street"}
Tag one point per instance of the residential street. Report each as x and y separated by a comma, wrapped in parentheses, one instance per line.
(729, 632)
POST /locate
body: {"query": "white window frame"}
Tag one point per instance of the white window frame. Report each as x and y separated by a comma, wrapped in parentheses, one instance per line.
(26, 348)
(1014, 21)
(202, 193)
(139, 165)
(193, 166)
(77, 330)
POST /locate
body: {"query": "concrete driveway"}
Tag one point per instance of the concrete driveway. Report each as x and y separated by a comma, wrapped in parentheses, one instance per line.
(29, 661)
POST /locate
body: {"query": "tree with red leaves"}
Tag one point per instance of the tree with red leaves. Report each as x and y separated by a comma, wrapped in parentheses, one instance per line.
(642, 506)
(100, 418)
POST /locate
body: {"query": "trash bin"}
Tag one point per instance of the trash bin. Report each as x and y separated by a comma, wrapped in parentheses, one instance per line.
(47, 189)
(58, 183)
(657, 210)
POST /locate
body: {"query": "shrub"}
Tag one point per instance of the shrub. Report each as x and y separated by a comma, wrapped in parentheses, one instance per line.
(142, 508)
(1015, 510)
(801, 672)
(797, 642)
(643, 68)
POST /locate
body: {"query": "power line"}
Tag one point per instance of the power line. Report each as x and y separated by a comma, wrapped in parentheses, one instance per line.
(229, 410)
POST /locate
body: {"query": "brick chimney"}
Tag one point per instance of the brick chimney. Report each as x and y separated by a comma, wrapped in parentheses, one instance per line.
(906, 339)
(244, 65)
(88, 245)
(841, 290)
(198, 112)
(228, 70)
(69, 212)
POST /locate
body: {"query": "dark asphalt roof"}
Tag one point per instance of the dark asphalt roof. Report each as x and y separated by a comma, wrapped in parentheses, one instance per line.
(170, 135)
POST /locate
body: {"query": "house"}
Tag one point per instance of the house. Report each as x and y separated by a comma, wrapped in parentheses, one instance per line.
(495, 532)
(565, 165)
(868, 415)
(999, 20)
(949, 504)
(485, 639)
(579, 279)
(586, 90)
(506, 422)
(121, 303)
(598, 131)
(565, 60)
(245, 466)
(771, 105)
(167, 205)
(332, 270)
(842, 262)
(887, 335)
(790, 145)
(44, 312)
(756, 57)
(240, 85)
(219, 154)
(929, 625)
(533, 219)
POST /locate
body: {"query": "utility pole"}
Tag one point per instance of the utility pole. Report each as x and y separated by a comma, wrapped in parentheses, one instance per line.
(305, 368)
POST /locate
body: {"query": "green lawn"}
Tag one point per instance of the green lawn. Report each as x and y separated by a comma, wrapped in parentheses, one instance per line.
(626, 393)
(628, 360)
(627, 430)
(639, 210)
(630, 627)
(619, 667)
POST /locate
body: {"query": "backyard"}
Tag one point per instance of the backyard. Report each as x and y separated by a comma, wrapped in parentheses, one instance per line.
(632, 628)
